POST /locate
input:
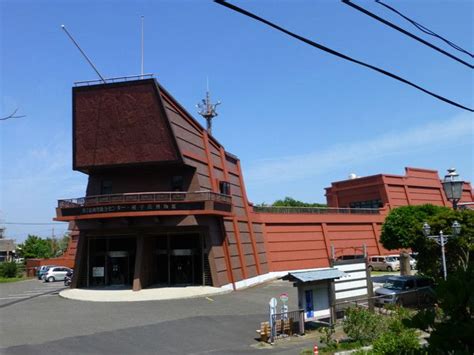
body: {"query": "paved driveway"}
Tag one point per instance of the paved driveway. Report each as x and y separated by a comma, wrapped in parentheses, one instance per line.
(221, 324)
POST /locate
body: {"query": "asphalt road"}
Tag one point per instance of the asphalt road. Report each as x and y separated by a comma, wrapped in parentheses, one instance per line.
(45, 323)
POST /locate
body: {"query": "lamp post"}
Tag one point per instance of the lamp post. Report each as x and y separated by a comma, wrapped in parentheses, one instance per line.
(442, 239)
(453, 187)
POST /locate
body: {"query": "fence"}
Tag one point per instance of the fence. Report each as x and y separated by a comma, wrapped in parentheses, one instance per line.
(314, 210)
(377, 304)
(286, 324)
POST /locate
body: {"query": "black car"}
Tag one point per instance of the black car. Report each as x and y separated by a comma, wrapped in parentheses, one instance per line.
(405, 290)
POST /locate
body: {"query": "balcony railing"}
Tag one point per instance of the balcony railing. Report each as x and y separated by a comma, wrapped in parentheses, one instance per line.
(315, 210)
(144, 197)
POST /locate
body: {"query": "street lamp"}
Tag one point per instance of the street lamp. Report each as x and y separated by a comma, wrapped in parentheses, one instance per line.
(441, 239)
(453, 187)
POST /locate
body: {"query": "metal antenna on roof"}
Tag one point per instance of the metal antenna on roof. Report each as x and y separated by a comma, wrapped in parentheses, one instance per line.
(143, 19)
(207, 109)
(82, 52)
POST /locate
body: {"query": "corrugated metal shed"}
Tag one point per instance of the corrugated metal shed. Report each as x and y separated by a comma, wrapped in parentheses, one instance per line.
(314, 275)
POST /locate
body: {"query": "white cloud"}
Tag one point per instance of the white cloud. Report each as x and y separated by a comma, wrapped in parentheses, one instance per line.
(458, 129)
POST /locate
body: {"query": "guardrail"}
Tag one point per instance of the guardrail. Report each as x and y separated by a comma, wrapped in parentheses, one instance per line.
(144, 197)
(314, 210)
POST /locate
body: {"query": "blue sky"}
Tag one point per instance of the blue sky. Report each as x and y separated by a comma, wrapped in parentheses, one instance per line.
(297, 117)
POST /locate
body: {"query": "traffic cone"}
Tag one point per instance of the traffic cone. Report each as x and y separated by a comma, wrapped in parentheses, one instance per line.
(315, 350)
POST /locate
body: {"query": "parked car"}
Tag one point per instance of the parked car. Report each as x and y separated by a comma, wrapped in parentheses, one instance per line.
(56, 273)
(405, 290)
(412, 261)
(42, 271)
(384, 263)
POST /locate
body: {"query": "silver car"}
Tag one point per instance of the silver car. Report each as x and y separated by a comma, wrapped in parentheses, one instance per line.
(384, 263)
(56, 273)
(405, 290)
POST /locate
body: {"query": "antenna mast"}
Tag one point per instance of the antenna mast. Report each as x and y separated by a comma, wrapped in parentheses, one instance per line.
(143, 19)
(84, 54)
(207, 109)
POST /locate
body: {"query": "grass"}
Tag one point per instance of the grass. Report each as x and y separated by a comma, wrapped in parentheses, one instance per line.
(11, 279)
(380, 273)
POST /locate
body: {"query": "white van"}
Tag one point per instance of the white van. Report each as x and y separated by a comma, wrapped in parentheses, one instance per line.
(412, 261)
(384, 263)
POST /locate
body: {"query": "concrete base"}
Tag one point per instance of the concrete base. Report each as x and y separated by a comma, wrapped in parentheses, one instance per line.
(149, 294)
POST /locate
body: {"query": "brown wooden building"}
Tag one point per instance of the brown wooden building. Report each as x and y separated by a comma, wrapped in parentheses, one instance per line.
(166, 204)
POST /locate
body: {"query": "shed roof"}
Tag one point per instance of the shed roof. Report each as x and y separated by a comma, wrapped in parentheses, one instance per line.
(314, 275)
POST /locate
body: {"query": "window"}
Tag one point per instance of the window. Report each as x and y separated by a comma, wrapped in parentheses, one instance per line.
(106, 187)
(367, 204)
(224, 187)
(409, 284)
(177, 183)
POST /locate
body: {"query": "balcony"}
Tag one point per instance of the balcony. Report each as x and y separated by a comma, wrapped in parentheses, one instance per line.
(144, 204)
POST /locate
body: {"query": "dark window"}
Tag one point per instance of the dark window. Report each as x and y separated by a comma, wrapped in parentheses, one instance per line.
(409, 284)
(423, 282)
(177, 183)
(224, 187)
(106, 187)
(367, 204)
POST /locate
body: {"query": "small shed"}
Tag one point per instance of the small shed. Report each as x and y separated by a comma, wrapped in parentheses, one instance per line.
(316, 295)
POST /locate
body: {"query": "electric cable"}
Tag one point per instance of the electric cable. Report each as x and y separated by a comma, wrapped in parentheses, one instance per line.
(32, 224)
(419, 39)
(426, 29)
(338, 54)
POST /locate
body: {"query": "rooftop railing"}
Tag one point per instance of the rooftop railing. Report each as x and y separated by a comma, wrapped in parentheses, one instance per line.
(113, 80)
(144, 197)
(314, 210)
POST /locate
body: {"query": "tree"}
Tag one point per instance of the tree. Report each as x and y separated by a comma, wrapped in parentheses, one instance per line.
(35, 247)
(403, 229)
(63, 243)
(451, 322)
(291, 202)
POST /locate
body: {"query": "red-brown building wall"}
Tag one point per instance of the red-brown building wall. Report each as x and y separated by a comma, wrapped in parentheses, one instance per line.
(416, 187)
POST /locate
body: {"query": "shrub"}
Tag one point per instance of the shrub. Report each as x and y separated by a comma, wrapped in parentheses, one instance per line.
(395, 343)
(362, 325)
(328, 336)
(8, 269)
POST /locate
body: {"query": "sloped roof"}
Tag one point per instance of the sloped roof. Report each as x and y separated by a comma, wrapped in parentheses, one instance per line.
(314, 275)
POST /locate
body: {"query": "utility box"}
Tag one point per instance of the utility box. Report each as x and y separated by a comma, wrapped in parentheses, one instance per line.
(316, 292)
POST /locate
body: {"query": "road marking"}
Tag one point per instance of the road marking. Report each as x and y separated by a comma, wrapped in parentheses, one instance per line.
(209, 299)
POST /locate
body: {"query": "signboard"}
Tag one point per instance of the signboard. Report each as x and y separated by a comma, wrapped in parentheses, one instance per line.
(309, 309)
(98, 271)
(133, 207)
(284, 297)
(273, 306)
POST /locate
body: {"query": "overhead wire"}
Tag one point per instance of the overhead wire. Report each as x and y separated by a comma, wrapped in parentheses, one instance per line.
(419, 39)
(338, 54)
(32, 224)
(426, 29)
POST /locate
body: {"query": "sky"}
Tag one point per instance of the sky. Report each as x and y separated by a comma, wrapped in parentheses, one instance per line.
(297, 117)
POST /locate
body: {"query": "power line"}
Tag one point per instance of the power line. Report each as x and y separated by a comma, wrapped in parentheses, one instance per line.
(338, 54)
(426, 29)
(31, 223)
(419, 39)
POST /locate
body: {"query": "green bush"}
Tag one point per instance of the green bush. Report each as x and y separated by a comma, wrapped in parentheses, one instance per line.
(395, 343)
(8, 269)
(362, 325)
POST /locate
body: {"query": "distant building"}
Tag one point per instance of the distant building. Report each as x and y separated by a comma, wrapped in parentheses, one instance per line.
(166, 204)
(7, 247)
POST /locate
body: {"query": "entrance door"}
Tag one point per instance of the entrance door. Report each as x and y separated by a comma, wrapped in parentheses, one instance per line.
(118, 268)
(182, 266)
